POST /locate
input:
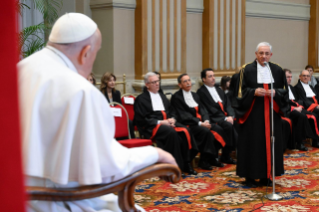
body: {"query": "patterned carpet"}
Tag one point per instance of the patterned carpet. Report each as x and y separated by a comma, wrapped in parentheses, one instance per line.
(221, 190)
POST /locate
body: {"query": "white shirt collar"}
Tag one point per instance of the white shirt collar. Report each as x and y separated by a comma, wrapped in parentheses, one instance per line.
(63, 58)
(213, 93)
(263, 75)
(291, 95)
(188, 97)
(157, 102)
(308, 90)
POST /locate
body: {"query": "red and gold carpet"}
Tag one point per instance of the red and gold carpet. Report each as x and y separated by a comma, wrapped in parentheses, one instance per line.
(221, 190)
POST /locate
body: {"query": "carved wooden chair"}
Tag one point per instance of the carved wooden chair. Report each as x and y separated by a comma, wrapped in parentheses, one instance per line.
(125, 187)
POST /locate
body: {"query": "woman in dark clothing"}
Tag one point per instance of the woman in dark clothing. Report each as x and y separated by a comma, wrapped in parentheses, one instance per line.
(107, 87)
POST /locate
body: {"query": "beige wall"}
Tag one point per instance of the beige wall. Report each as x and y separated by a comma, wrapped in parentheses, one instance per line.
(194, 46)
(124, 42)
(289, 39)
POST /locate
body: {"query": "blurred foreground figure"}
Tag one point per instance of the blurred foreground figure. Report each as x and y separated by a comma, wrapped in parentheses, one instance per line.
(67, 125)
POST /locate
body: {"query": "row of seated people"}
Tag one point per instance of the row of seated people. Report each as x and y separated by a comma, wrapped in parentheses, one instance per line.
(304, 111)
(189, 123)
(183, 133)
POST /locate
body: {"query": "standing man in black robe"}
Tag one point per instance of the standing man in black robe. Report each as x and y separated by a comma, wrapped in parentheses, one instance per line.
(309, 97)
(220, 112)
(301, 128)
(156, 120)
(254, 113)
(192, 113)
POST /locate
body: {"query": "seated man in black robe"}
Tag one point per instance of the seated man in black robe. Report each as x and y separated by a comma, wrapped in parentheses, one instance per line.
(301, 128)
(155, 119)
(192, 113)
(309, 97)
(253, 110)
(220, 112)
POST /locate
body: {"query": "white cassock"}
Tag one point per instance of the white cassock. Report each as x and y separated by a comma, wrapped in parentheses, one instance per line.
(67, 133)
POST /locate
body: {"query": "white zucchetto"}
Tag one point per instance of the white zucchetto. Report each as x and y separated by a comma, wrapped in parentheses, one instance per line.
(72, 28)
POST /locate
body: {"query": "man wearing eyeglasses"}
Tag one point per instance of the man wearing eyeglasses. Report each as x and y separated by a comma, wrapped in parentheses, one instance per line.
(253, 113)
(309, 96)
(301, 128)
(155, 119)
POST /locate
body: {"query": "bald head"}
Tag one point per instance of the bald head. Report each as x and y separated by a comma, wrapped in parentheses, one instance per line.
(304, 76)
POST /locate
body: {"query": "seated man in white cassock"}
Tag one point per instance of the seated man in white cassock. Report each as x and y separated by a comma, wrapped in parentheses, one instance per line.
(67, 125)
(308, 96)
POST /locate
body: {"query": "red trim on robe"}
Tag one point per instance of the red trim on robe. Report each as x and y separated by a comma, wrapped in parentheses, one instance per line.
(298, 105)
(313, 105)
(267, 131)
(177, 129)
(242, 119)
(309, 116)
(289, 121)
(222, 107)
(218, 137)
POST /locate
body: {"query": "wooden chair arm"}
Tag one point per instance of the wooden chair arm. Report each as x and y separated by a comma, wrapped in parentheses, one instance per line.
(125, 187)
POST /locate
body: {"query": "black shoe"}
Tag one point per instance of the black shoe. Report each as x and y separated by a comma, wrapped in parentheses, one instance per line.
(189, 169)
(302, 147)
(251, 183)
(265, 182)
(183, 175)
(216, 163)
(315, 144)
(228, 161)
(205, 165)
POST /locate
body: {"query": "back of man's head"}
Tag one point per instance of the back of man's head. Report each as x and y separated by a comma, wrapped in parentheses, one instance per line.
(78, 37)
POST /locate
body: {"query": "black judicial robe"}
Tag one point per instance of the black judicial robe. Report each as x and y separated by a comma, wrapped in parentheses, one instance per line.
(301, 128)
(251, 149)
(301, 93)
(187, 116)
(217, 115)
(166, 137)
(232, 88)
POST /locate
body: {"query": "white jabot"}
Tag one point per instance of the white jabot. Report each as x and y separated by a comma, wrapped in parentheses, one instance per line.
(188, 97)
(72, 28)
(157, 102)
(263, 75)
(308, 90)
(291, 95)
(213, 93)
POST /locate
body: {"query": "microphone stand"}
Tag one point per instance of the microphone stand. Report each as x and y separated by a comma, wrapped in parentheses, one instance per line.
(273, 196)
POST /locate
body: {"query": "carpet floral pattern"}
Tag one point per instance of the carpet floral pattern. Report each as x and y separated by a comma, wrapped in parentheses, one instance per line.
(221, 190)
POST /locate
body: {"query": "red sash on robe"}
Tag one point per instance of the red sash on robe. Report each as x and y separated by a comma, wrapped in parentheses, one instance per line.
(218, 137)
(313, 105)
(309, 116)
(222, 107)
(177, 129)
(267, 131)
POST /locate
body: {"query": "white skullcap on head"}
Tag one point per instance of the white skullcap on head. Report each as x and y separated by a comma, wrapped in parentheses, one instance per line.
(72, 28)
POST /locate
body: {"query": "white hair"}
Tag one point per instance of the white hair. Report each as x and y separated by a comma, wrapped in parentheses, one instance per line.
(263, 44)
(147, 75)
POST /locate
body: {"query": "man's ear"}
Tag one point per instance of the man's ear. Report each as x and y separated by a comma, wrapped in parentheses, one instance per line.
(84, 54)
(180, 85)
